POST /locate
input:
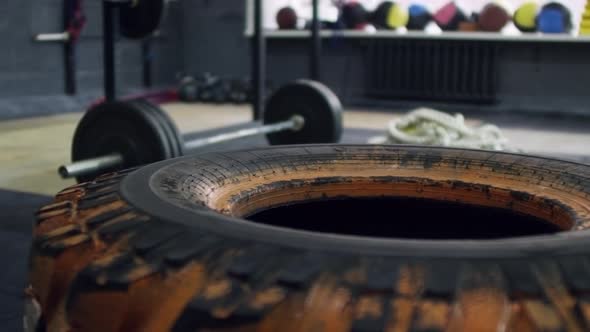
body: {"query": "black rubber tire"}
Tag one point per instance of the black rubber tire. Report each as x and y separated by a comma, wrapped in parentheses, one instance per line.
(160, 248)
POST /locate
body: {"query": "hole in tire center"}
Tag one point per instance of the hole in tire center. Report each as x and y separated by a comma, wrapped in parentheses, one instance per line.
(404, 218)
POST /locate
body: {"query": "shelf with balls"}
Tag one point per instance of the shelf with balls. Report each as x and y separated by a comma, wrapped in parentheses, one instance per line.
(551, 22)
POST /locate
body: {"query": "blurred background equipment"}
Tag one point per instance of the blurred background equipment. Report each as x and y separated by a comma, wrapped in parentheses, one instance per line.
(212, 89)
(287, 18)
(354, 16)
(74, 21)
(426, 126)
(420, 16)
(525, 17)
(189, 88)
(390, 15)
(208, 88)
(398, 16)
(585, 22)
(554, 17)
(119, 135)
(379, 16)
(449, 16)
(493, 17)
(139, 19)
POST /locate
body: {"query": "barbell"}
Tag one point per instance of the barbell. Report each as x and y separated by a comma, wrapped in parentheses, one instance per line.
(118, 135)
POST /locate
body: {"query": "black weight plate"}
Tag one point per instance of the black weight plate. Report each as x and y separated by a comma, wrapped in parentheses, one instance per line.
(125, 128)
(314, 101)
(140, 18)
(154, 115)
(172, 145)
(175, 141)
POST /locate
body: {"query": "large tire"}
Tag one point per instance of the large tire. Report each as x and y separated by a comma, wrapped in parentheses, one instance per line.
(162, 248)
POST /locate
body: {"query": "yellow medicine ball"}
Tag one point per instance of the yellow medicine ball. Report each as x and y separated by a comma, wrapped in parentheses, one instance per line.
(398, 16)
(525, 17)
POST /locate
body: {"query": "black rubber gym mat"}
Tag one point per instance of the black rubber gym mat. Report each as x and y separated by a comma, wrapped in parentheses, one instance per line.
(16, 218)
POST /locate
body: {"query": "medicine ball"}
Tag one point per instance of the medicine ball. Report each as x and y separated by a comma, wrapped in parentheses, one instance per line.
(379, 16)
(419, 17)
(354, 15)
(287, 18)
(398, 16)
(493, 17)
(554, 18)
(525, 17)
(390, 15)
(449, 16)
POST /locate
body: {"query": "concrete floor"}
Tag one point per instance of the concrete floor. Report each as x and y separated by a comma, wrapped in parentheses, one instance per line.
(33, 148)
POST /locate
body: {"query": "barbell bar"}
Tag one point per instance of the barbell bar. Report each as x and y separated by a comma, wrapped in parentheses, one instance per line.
(53, 37)
(90, 166)
(118, 135)
(96, 165)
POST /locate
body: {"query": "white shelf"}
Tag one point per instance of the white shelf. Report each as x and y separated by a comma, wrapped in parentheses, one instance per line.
(450, 35)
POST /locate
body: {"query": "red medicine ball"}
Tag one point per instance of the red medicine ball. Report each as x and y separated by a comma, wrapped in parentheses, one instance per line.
(287, 18)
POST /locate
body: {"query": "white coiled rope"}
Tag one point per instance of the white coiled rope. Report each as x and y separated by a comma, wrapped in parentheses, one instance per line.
(425, 126)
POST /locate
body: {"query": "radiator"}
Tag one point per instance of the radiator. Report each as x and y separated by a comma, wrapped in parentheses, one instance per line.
(437, 70)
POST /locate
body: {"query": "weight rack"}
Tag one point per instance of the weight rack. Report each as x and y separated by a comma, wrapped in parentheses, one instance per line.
(109, 16)
(259, 61)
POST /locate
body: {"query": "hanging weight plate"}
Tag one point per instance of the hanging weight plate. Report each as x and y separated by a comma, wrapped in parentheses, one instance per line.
(316, 103)
(133, 130)
(140, 18)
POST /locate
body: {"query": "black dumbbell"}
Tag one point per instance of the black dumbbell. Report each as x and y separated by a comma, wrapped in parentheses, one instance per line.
(189, 88)
(240, 91)
(207, 91)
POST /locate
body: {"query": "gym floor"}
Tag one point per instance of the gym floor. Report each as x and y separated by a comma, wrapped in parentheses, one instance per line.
(34, 147)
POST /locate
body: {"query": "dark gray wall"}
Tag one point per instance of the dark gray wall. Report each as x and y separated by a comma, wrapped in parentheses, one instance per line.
(532, 77)
(214, 37)
(208, 36)
(550, 77)
(29, 68)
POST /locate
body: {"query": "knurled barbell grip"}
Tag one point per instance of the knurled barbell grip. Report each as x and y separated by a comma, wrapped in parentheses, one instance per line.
(102, 163)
